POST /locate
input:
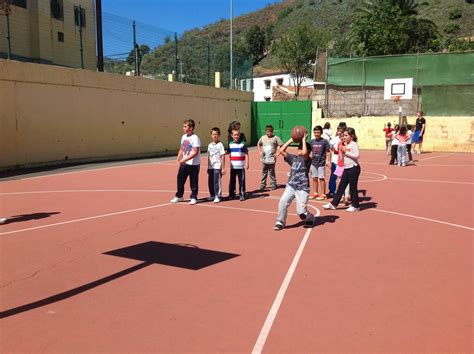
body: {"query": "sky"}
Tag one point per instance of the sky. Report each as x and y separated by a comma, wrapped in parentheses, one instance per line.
(180, 15)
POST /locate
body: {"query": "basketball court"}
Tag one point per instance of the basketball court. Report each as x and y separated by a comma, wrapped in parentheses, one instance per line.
(95, 258)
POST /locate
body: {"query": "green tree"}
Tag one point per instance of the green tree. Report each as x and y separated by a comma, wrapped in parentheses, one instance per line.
(296, 49)
(392, 27)
(256, 43)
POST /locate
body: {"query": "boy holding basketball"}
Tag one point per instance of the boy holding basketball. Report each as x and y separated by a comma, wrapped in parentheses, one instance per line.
(298, 184)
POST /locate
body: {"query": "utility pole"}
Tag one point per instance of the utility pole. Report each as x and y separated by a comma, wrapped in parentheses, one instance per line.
(208, 63)
(79, 21)
(176, 57)
(135, 47)
(231, 45)
(100, 40)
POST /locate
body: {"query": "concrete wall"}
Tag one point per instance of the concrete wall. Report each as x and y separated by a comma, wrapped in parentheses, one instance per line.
(34, 34)
(450, 134)
(50, 114)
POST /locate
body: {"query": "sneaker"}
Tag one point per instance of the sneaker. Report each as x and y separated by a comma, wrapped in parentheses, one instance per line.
(351, 209)
(261, 189)
(322, 197)
(193, 201)
(210, 198)
(217, 200)
(242, 198)
(418, 152)
(176, 200)
(314, 196)
(274, 188)
(278, 227)
(3, 221)
(329, 206)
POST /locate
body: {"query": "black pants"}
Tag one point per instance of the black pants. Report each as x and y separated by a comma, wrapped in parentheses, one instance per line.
(214, 182)
(393, 154)
(184, 171)
(410, 158)
(234, 173)
(350, 176)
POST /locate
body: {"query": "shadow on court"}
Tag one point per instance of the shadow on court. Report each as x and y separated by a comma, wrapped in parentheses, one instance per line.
(149, 253)
(318, 221)
(27, 217)
(370, 205)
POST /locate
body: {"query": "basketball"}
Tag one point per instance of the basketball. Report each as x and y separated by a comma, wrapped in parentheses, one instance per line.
(298, 133)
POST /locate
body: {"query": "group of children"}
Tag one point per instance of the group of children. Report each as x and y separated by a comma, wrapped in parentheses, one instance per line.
(189, 161)
(341, 153)
(401, 141)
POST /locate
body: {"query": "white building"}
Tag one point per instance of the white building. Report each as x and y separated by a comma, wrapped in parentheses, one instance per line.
(263, 84)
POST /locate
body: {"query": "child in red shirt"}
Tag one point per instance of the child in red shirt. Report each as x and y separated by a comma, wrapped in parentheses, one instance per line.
(387, 128)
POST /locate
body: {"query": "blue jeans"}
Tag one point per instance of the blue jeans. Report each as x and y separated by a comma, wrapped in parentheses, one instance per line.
(401, 152)
(332, 179)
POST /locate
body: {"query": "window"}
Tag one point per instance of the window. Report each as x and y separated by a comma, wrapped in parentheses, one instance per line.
(267, 84)
(279, 81)
(80, 16)
(19, 3)
(57, 9)
(61, 37)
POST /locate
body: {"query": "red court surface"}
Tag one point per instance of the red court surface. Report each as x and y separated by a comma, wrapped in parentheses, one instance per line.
(96, 259)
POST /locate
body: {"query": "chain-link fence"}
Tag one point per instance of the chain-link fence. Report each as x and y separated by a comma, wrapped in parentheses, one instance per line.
(193, 57)
(65, 32)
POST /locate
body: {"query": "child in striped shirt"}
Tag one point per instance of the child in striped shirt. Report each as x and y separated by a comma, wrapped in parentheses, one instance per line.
(239, 162)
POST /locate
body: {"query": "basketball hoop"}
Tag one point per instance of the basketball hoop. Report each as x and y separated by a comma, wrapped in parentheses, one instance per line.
(396, 99)
(5, 9)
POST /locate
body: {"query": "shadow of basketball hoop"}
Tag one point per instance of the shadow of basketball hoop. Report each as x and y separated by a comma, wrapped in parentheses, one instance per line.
(174, 255)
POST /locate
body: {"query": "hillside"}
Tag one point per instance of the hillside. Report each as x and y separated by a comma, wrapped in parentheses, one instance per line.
(197, 47)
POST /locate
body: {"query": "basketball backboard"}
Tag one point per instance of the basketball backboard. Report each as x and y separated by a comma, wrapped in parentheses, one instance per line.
(398, 87)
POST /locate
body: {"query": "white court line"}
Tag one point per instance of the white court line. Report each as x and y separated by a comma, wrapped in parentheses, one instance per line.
(422, 218)
(91, 191)
(411, 216)
(122, 212)
(427, 180)
(243, 209)
(84, 219)
(435, 157)
(386, 163)
(267, 326)
(91, 170)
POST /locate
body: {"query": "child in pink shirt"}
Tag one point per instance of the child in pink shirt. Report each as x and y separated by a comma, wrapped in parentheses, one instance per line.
(402, 138)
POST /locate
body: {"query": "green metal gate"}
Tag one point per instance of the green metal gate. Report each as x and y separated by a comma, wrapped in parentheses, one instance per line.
(282, 115)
